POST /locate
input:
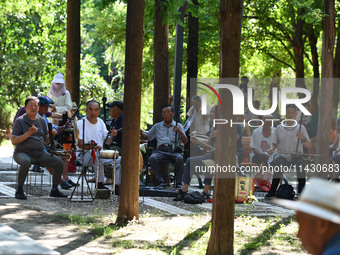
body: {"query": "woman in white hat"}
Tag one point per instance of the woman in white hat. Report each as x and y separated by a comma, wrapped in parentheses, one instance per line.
(59, 94)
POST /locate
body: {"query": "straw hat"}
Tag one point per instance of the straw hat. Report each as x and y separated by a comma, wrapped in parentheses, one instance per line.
(320, 198)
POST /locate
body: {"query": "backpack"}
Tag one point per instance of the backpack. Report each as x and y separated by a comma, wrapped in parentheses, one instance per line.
(194, 198)
(285, 191)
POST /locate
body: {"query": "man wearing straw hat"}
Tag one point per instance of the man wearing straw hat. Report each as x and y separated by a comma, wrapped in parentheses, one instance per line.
(318, 215)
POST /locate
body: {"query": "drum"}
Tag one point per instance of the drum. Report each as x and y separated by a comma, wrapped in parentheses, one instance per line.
(109, 154)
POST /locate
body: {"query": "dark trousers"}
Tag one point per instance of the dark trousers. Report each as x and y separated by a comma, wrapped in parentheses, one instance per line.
(190, 165)
(160, 156)
(301, 174)
(45, 160)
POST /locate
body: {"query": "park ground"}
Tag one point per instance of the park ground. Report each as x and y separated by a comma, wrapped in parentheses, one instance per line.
(164, 226)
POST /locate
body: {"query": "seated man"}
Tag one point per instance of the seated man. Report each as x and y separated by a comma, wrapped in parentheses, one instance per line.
(289, 140)
(196, 161)
(44, 103)
(116, 126)
(95, 132)
(168, 133)
(114, 140)
(29, 135)
(261, 141)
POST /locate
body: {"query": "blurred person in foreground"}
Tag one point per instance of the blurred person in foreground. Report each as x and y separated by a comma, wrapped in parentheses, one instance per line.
(318, 216)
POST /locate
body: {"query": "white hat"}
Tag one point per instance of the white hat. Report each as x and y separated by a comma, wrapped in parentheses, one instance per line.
(58, 78)
(320, 198)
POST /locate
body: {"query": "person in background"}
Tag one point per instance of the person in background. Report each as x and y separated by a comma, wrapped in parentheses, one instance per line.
(261, 141)
(335, 151)
(60, 96)
(198, 121)
(44, 103)
(114, 140)
(289, 139)
(168, 134)
(318, 216)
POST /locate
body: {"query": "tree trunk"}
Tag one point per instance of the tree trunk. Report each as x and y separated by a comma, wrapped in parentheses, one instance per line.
(73, 49)
(313, 40)
(298, 47)
(161, 63)
(192, 51)
(326, 97)
(192, 63)
(129, 188)
(336, 75)
(223, 213)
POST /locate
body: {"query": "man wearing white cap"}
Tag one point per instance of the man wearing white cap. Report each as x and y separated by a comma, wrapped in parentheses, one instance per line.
(318, 215)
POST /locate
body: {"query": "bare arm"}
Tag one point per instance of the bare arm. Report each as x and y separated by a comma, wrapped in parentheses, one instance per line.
(184, 138)
(143, 135)
(20, 138)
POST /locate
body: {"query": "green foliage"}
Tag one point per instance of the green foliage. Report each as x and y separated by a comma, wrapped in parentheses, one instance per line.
(32, 46)
(92, 86)
(5, 118)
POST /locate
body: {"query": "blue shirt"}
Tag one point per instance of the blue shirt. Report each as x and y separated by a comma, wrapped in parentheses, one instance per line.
(164, 134)
(333, 246)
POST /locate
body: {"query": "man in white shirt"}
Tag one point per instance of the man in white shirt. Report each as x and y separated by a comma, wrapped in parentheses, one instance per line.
(93, 139)
(289, 140)
(261, 141)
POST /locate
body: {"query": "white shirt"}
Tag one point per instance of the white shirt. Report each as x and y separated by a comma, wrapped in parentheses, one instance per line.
(96, 132)
(261, 143)
(199, 123)
(286, 140)
(62, 103)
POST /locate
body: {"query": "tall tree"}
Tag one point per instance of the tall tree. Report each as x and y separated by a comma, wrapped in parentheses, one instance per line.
(326, 97)
(73, 49)
(222, 226)
(313, 40)
(192, 52)
(128, 203)
(161, 60)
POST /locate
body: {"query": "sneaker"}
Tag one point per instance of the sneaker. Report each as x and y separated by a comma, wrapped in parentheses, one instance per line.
(72, 183)
(20, 195)
(57, 193)
(65, 185)
(269, 196)
(101, 186)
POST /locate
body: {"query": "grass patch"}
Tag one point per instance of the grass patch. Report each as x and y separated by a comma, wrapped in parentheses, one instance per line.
(265, 235)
